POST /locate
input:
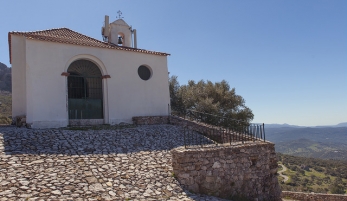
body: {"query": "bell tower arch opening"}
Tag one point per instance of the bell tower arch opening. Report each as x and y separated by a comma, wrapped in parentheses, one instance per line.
(121, 38)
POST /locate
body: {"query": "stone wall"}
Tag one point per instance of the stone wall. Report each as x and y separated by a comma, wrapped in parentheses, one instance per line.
(213, 132)
(193, 125)
(313, 196)
(241, 171)
(150, 120)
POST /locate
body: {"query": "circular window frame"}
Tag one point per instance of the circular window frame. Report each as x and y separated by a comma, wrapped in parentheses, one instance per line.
(150, 72)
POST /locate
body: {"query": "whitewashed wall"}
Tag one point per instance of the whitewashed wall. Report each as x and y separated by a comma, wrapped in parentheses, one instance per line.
(18, 76)
(125, 95)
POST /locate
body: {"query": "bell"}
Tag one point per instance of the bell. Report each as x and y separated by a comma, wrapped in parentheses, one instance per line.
(120, 41)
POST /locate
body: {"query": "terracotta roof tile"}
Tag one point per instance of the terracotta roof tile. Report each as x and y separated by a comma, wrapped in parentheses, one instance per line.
(67, 36)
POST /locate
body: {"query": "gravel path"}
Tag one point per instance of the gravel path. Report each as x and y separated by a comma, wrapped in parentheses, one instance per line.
(284, 168)
(57, 164)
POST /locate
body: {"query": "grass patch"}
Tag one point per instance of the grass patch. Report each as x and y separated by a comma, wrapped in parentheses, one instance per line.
(173, 175)
(279, 168)
(5, 120)
(287, 197)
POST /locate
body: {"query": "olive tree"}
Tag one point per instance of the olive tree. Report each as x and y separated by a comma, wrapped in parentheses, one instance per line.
(208, 97)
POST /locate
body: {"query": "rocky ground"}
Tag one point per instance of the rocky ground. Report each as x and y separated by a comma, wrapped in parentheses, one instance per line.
(117, 164)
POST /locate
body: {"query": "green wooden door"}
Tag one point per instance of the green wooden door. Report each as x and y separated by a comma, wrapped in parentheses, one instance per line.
(85, 99)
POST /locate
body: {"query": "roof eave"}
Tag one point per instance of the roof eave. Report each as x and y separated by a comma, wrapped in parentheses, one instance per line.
(30, 35)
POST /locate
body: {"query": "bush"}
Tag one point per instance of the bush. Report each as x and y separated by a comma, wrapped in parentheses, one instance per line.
(5, 120)
(337, 189)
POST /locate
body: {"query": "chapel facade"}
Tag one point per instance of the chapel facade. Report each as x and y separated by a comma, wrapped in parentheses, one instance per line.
(61, 77)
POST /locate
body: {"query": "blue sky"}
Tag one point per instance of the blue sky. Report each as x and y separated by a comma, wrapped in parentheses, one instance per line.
(288, 59)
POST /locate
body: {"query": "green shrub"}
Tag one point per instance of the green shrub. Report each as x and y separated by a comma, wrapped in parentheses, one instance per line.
(5, 120)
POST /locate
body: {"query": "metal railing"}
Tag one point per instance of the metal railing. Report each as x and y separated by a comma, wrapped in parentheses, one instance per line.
(207, 129)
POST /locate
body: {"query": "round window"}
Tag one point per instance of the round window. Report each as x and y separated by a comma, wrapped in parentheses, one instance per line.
(144, 72)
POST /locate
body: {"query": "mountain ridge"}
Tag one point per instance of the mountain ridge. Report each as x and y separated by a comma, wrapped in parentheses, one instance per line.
(5, 78)
(285, 125)
(317, 142)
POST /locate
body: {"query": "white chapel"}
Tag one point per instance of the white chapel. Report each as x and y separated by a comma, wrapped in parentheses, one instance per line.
(61, 77)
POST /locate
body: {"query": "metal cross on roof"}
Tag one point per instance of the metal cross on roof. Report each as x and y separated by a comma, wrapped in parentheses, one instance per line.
(120, 14)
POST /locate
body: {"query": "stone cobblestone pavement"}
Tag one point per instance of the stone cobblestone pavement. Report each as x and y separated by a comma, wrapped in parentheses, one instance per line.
(59, 164)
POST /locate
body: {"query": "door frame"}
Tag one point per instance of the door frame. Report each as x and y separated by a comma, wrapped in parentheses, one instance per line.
(105, 77)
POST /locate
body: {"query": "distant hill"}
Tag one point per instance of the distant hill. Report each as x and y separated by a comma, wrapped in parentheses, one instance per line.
(282, 126)
(313, 149)
(324, 134)
(5, 78)
(343, 124)
(317, 142)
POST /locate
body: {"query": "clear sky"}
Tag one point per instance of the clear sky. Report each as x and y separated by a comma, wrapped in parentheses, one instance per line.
(288, 59)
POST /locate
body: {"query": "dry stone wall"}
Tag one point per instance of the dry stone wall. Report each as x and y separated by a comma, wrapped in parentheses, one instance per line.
(313, 196)
(150, 120)
(213, 132)
(242, 171)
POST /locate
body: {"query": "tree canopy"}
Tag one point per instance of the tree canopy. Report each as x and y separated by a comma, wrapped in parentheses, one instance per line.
(208, 97)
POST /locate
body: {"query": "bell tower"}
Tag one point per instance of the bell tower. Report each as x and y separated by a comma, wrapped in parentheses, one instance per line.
(119, 32)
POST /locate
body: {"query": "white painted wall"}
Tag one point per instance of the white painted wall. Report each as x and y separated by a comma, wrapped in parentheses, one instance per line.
(129, 95)
(18, 48)
(126, 94)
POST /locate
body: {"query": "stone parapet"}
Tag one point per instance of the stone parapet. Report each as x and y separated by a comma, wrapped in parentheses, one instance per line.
(197, 126)
(150, 120)
(241, 171)
(215, 133)
(313, 196)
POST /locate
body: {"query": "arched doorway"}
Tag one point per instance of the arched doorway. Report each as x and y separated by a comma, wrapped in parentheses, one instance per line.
(85, 98)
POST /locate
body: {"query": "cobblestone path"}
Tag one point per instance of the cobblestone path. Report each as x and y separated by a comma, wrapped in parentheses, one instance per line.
(56, 164)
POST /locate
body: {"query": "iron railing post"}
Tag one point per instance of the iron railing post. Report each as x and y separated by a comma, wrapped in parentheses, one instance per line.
(221, 133)
(258, 132)
(254, 132)
(264, 131)
(261, 132)
(185, 144)
(229, 136)
(242, 136)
